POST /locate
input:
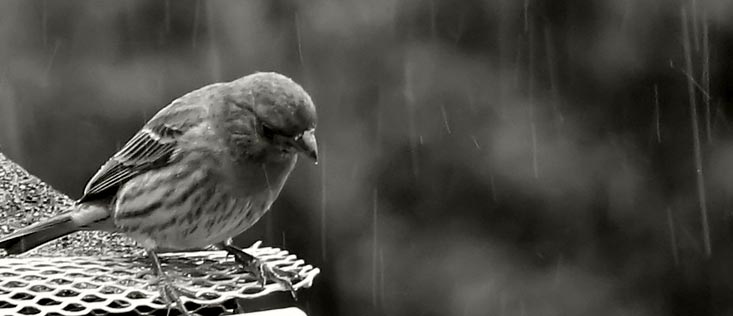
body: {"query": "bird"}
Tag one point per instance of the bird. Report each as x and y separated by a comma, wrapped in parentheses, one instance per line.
(202, 170)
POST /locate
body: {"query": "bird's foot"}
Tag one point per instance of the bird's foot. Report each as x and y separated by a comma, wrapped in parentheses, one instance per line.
(262, 270)
(169, 293)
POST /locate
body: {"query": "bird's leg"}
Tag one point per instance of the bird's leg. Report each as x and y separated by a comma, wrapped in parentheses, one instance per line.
(262, 270)
(168, 292)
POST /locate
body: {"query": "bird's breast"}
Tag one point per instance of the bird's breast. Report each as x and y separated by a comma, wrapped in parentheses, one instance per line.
(192, 208)
(261, 176)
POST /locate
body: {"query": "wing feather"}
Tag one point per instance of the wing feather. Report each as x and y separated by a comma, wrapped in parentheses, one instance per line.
(150, 148)
(145, 151)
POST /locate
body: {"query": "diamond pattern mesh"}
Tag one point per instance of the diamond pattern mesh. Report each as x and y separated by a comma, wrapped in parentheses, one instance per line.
(126, 285)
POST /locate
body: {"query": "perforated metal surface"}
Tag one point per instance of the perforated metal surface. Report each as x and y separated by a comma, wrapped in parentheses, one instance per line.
(125, 285)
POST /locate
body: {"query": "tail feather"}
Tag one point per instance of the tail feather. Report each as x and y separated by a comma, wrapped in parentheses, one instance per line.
(35, 235)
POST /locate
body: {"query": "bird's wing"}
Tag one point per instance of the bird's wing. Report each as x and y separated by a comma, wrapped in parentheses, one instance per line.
(151, 148)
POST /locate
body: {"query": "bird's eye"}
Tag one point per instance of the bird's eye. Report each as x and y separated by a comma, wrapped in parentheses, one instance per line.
(267, 131)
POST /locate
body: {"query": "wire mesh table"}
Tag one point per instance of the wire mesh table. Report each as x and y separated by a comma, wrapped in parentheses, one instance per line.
(125, 285)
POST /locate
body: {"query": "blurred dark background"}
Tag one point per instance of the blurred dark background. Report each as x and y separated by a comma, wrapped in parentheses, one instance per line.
(479, 157)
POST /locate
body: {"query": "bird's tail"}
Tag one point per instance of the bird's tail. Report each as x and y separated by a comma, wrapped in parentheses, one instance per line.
(83, 217)
(35, 235)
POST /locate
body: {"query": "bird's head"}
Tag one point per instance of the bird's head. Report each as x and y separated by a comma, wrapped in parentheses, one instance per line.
(283, 116)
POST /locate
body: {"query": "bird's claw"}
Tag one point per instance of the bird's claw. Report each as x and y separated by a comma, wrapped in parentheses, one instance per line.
(170, 293)
(264, 271)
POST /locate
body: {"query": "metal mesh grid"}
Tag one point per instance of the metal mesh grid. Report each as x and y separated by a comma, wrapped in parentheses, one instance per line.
(122, 285)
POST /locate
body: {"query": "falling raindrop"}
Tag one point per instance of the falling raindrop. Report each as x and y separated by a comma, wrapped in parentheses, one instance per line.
(378, 132)
(533, 131)
(556, 277)
(445, 119)
(411, 125)
(492, 185)
(375, 246)
(167, 16)
(706, 76)
(700, 178)
(44, 23)
(657, 115)
(672, 237)
(49, 64)
(528, 27)
(475, 142)
(381, 277)
(196, 13)
(324, 203)
(299, 39)
(213, 51)
(552, 69)
(267, 178)
(269, 227)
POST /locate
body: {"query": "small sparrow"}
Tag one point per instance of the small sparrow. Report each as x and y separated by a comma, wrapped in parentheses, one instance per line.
(203, 170)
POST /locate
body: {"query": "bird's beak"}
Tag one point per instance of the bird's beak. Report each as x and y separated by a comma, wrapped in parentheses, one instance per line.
(306, 144)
